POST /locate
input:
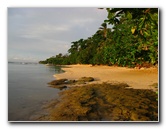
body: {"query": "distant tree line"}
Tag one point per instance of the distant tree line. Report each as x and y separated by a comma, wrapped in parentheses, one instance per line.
(132, 41)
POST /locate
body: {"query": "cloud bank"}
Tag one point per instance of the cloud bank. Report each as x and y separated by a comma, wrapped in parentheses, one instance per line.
(37, 33)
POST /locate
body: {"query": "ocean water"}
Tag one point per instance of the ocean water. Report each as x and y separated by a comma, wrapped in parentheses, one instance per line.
(28, 89)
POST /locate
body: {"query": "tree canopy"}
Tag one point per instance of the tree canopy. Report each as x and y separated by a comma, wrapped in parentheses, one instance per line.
(132, 41)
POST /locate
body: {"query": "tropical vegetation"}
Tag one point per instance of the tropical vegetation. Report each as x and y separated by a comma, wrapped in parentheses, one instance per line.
(132, 40)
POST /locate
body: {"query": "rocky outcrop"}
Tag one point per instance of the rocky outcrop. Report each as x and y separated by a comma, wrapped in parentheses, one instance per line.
(62, 83)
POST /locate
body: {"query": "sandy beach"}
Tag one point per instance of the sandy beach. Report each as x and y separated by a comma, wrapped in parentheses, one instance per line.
(127, 95)
(142, 78)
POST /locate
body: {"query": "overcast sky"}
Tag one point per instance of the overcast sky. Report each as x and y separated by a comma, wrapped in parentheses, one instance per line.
(38, 33)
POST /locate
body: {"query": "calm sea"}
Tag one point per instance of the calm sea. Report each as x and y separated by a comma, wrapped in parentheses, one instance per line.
(28, 89)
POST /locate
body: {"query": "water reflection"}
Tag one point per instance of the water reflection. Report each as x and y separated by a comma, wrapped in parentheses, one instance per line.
(28, 89)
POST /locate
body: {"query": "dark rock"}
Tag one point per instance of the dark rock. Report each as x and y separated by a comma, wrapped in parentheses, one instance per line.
(60, 87)
(82, 80)
(71, 81)
(58, 82)
(86, 79)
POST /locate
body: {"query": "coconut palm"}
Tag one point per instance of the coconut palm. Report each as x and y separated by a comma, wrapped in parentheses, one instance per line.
(103, 29)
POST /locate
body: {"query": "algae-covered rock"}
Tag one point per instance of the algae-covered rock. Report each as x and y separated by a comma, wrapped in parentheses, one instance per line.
(86, 79)
(104, 102)
(71, 81)
(82, 80)
(58, 82)
(60, 87)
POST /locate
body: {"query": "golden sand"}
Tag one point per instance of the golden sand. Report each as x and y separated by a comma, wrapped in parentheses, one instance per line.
(142, 78)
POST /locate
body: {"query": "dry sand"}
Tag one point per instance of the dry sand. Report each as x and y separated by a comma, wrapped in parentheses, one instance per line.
(136, 78)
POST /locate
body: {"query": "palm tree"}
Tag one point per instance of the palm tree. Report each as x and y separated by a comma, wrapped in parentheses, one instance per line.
(103, 29)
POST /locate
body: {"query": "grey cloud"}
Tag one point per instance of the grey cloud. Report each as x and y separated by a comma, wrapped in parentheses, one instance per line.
(43, 32)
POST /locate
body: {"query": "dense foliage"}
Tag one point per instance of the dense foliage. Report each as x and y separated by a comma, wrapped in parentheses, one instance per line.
(132, 41)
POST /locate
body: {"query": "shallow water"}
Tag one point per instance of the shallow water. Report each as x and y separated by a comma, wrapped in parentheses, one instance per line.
(28, 89)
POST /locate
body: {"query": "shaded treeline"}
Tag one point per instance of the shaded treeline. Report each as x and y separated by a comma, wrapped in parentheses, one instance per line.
(131, 41)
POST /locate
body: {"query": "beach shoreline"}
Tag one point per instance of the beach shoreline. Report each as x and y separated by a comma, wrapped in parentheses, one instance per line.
(142, 78)
(116, 94)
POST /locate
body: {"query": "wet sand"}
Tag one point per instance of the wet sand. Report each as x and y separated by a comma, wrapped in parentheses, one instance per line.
(136, 78)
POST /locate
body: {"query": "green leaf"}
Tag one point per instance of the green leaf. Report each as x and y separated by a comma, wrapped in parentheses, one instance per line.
(156, 43)
(146, 33)
(110, 15)
(129, 15)
(141, 23)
